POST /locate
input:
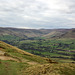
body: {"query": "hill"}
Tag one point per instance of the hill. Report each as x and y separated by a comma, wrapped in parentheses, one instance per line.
(14, 61)
(18, 54)
(61, 33)
(70, 34)
(22, 34)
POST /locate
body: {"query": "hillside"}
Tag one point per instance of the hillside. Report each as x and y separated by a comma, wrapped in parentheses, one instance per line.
(70, 34)
(14, 61)
(61, 33)
(23, 34)
(18, 54)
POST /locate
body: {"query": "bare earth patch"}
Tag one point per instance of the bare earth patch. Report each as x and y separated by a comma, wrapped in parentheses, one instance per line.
(2, 53)
(8, 58)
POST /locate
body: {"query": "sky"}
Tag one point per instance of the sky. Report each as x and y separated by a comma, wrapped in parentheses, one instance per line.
(37, 14)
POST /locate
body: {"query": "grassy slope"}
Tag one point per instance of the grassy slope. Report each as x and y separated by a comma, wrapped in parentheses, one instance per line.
(18, 53)
(24, 66)
(52, 69)
(12, 67)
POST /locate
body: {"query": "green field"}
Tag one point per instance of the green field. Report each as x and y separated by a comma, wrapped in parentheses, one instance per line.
(51, 48)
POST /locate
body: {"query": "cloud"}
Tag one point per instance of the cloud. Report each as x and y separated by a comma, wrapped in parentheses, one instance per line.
(37, 13)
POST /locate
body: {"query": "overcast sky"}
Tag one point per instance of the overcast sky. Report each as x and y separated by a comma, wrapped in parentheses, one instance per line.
(37, 14)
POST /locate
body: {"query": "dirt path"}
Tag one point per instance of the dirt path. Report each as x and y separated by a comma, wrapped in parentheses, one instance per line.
(2, 57)
(14, 59)
(8, 58)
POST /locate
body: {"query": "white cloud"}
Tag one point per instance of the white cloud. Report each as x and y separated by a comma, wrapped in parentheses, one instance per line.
(37, 13)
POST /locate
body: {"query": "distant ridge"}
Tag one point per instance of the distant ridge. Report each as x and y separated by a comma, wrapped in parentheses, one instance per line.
(47, 33)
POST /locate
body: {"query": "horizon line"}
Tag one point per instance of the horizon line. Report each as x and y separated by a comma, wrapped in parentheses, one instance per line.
(35, 28)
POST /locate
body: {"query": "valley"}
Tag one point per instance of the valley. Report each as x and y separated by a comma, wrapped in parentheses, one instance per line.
(57, 44)
(37, 52)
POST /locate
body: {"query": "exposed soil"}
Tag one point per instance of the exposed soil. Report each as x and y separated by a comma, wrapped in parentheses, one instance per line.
(2, 57)
(2, 53)
(8, 58)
